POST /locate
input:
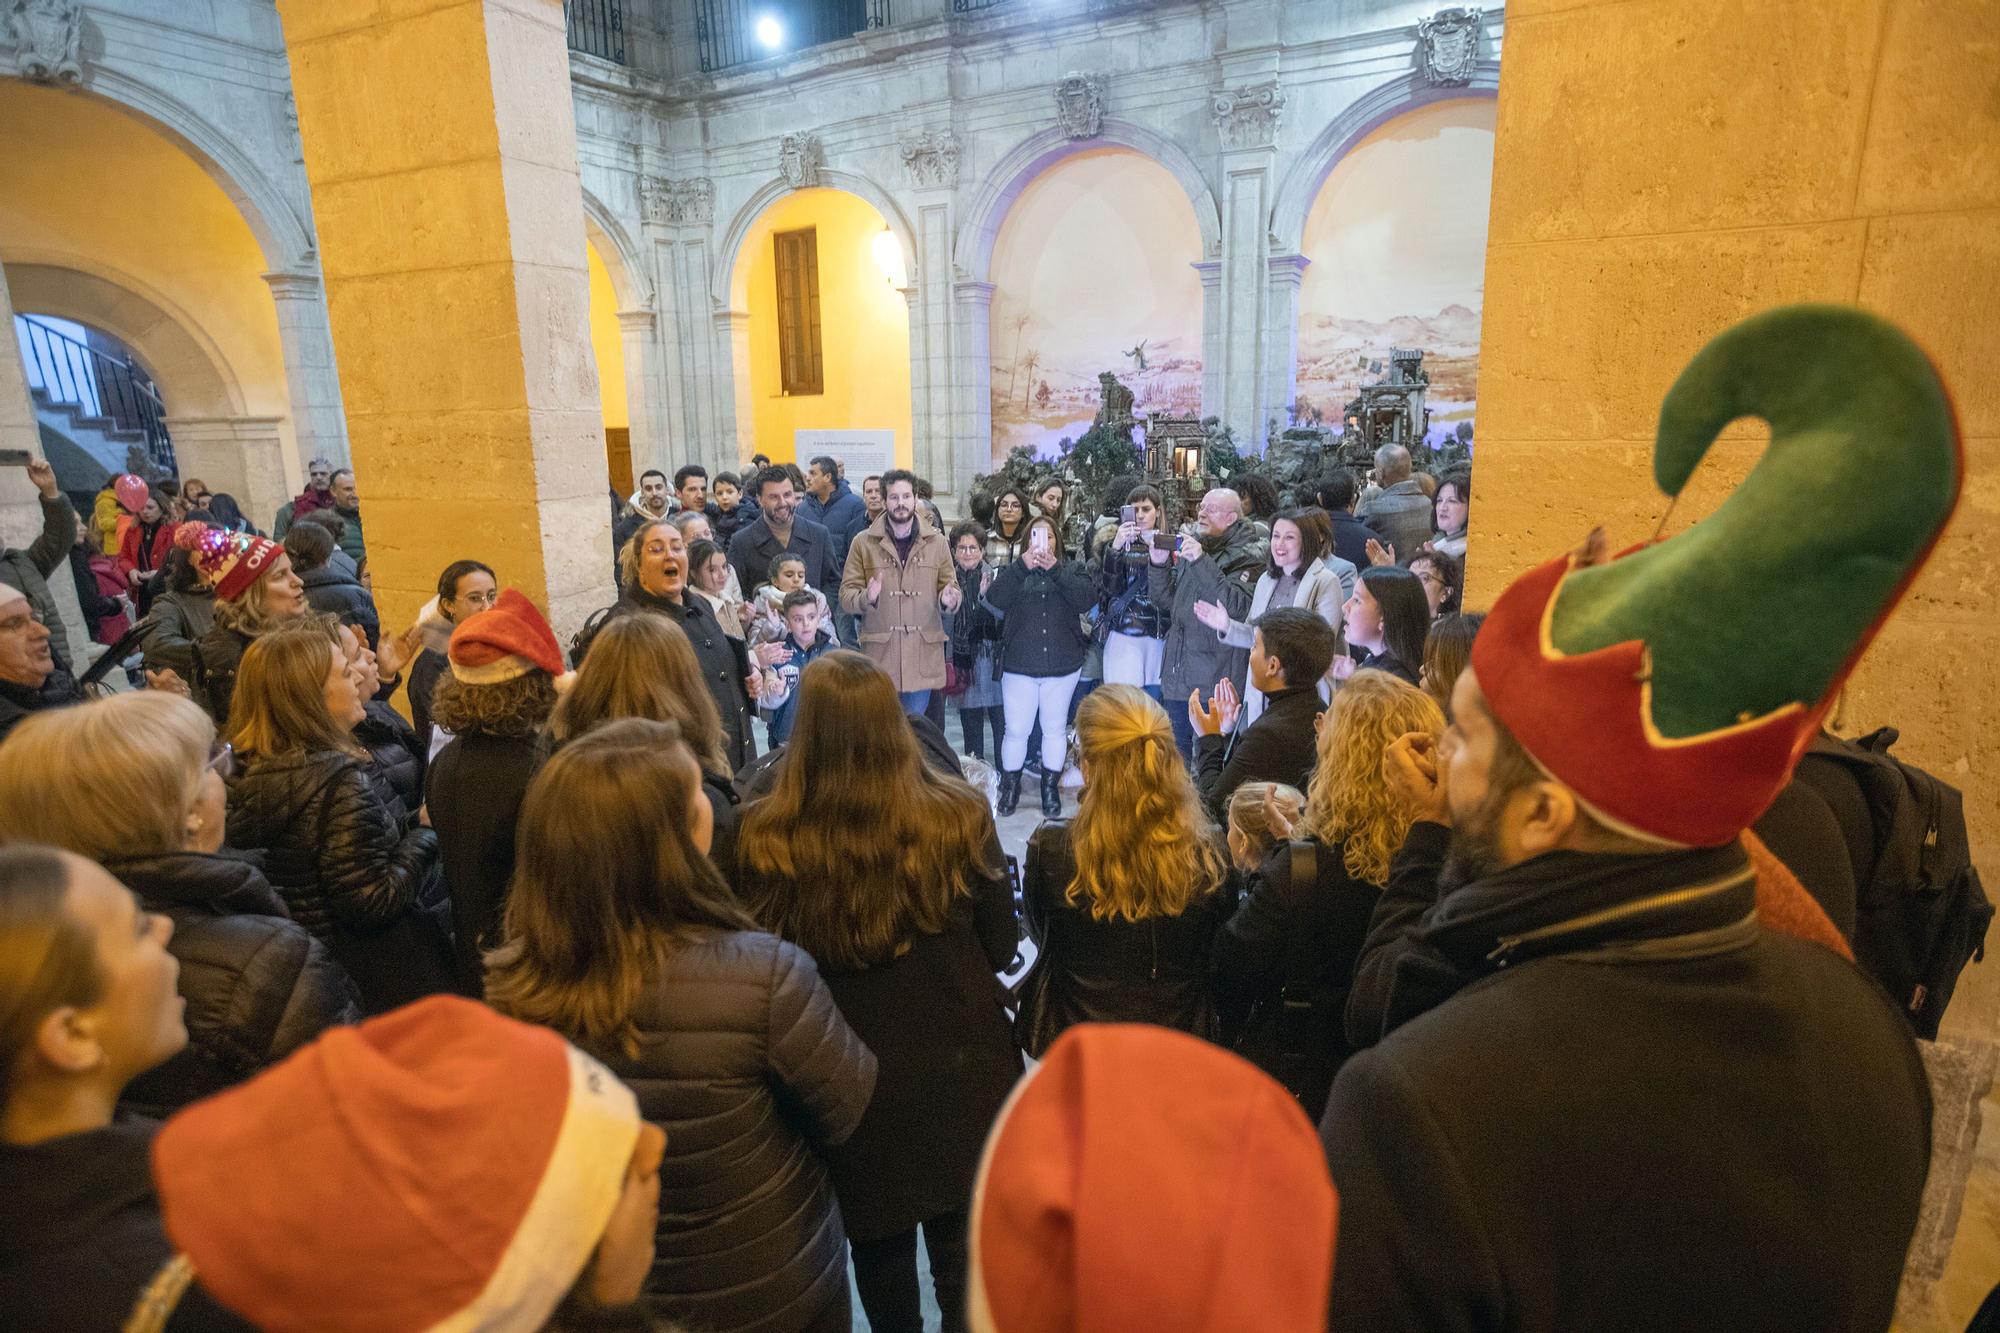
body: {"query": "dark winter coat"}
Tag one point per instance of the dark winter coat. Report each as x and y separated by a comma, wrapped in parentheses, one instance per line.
(421, 680)
(934, 1017)
(17, 701)
(844, 516)
(746, 1063)
(725, 663)
(178, 619)
(1042, 634)
(98, 588)
(394, 753)
(727, 523)
(1667, 1118)
(342, 596)
(1386, 660)
(217, 655)
(1350, 538)
(30, 568)
(1195, 658)
(1110, 971)
(1283, 965)
(1802, 831)
(81, 1237)
(1401, 515)
(1282, 745)
(474, 790)
(754, 546)
(257, 984)
(347, 869)
(1125, 593)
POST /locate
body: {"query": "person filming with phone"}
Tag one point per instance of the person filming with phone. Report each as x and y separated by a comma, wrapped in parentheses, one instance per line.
(1043, 598)
(27, 570)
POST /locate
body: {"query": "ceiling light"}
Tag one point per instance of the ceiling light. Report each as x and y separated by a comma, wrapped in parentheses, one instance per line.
(770, 33)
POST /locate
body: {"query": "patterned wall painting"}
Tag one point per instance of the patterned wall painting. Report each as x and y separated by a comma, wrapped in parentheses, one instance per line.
(1092, 272)
(1397, 240)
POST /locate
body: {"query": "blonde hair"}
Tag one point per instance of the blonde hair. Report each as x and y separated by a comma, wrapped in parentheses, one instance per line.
(1246, 811)
(1348, 801)
(1144, 845)
(112, 778)
(628, 554)
(250, 613)
(48, 959)
(279, 707)
(643, 666)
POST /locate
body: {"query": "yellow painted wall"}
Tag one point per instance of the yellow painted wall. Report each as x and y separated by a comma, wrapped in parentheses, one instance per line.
(1663, 168)
(864, 327)
(607, 341)
(85, 185)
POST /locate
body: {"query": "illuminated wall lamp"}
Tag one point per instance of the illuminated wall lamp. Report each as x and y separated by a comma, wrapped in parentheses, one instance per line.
(889, 258)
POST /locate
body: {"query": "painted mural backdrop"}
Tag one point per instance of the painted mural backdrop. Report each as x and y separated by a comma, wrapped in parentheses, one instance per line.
(1397, 240)
(1092, 272)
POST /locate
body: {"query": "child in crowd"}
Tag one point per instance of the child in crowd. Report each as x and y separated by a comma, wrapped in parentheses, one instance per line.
(766, 614)
(727, 511)
(805, 639)
(1250, 835)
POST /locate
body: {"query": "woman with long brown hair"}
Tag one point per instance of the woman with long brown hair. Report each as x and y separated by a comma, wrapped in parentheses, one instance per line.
(304, 796)
(1285, 960)
(1125, 902)
(890, 875)
(621, 935)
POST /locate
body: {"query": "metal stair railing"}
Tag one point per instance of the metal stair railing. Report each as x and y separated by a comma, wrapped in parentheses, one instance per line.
(70, 372)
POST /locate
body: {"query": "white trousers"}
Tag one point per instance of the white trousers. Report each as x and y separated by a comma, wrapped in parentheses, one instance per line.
(1132, 659)
(1029, 697)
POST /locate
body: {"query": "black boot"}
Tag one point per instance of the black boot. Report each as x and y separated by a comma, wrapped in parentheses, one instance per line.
(1052, 794)
(1010, 791)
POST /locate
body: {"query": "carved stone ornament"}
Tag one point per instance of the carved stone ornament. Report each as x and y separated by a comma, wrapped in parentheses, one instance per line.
(1248, 117)
(48, 39)
(932, 160)
(1080, 105)
(800, 160)
(1448, 42)
(677, 201)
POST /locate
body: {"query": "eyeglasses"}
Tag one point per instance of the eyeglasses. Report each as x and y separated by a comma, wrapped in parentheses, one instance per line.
(1428, 577)
(222, 760)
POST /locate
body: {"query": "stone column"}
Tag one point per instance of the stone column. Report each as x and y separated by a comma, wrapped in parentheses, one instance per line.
(693, 362)
(20, 502)
(245, 456)
(311, 382)
(1281, 338)
(441, 148)
(639, 334)
(1246, 121)
(972, 419)
(1212, 355)
(724, 390)
(933, 451)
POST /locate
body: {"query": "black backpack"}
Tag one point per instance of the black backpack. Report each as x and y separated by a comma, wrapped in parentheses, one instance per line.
(1921, 912)
(580, 642)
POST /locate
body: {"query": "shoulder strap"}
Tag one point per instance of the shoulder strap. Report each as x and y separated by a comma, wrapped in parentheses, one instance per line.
(1302, 877)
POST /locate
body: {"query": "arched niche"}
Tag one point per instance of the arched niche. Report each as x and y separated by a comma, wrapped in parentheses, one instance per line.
(727, 276)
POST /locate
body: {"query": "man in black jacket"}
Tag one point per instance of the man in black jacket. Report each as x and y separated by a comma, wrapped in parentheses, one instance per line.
(1288, 644)
(30, 679)
(780, 527)
(1603, 1094)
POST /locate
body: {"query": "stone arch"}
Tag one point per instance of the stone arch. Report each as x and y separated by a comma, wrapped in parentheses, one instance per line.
(193, 376)
(973, 254)
(275, 220)
(1366, 113)
(724, 283)
(621, 257)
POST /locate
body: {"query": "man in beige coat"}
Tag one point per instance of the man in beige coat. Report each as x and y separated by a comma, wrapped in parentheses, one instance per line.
(897, 581)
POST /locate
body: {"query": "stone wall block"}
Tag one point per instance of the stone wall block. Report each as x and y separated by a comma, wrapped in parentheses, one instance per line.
(1934, 136)
(452, 215)
(519, 47)
(484, 458)
(1938, 275)
(560, 364)
(384, 373)
(1765, 104)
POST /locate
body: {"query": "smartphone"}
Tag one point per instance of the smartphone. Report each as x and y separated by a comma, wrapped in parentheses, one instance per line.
(1164, 541)
(21, 458)
(1128, 513)
(1041, 542)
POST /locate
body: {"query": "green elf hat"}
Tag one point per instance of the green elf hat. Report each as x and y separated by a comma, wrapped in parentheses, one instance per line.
(1673, 687)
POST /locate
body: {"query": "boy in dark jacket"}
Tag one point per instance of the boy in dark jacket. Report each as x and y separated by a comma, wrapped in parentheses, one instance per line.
(805, 640)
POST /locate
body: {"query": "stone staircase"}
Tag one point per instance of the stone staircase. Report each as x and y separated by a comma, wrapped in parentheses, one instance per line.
(98, 439)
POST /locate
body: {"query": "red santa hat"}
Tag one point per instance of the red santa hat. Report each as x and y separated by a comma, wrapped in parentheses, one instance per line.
(228, 562)
(506, 641)
(1141, 1178)
(438, 1167)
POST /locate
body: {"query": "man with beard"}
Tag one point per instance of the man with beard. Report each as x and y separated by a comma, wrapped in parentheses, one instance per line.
(1602, 1095)
(653, 566)
(898, 576)
(780, 527)
(1218, 563)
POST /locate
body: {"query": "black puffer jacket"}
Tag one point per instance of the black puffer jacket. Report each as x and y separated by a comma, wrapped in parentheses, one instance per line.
(748, 1066)
(1125, 592)
(1042, 635)
(349, 872)
(258, 986)
(217, 654)
(340, 594)
(394, 752)
(1110, 971)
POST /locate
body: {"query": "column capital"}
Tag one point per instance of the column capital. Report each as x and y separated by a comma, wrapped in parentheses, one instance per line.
(293, 286)
(1210, 270)
(637, 321)
(968, 292)
(727, 320)
(1289, 269)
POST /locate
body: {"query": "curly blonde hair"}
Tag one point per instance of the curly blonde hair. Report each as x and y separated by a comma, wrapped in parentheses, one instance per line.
(1144, 845)
(1348, 802)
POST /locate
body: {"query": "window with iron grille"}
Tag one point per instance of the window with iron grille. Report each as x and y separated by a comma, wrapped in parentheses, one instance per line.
(799, 365)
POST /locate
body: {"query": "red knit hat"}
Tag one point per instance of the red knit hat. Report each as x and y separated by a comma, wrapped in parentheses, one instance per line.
(228, 562)
(440, 1166)
(1142, 1179)
(508, 640)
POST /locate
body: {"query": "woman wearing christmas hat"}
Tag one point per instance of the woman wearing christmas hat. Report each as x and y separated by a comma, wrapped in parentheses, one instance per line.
(255, 592)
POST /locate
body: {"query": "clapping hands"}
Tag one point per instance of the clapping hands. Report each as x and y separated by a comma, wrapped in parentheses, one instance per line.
(1219, 718)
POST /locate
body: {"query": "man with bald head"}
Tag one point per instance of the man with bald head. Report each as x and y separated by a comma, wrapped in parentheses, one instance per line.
(1218, 560)
(1399, 512)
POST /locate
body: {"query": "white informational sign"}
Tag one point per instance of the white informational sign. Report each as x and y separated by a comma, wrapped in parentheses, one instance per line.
(866, 453)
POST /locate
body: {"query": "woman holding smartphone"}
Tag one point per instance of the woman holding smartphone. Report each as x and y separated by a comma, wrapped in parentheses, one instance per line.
(1042, 597)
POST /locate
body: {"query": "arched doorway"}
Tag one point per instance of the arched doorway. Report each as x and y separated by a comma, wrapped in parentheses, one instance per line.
(607, 342)
(1092, 271)
(98, 406)
(825, 343)
(1396, 236)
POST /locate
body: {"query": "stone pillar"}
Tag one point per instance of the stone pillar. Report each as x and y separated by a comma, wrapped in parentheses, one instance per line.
(1212, 354)
(702, 421)
(1281, 339)
(244, 456)
(639, 334)
(972, 416)
(1245, 277)
(311, 383)
(724, 389)
(933, 451)
(20, 502)
(441, 148)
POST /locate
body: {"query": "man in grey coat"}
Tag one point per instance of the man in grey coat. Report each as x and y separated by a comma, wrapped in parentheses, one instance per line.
(1219, 563)
(1400, 511)
(30, 569)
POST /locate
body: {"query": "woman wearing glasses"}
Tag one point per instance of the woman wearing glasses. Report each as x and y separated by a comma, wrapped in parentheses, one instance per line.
(135, 782)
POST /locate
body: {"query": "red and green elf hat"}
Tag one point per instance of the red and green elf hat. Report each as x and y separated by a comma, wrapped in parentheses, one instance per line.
(1673, 688)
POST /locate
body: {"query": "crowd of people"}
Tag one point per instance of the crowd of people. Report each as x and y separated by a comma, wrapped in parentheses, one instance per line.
(566, 1002)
